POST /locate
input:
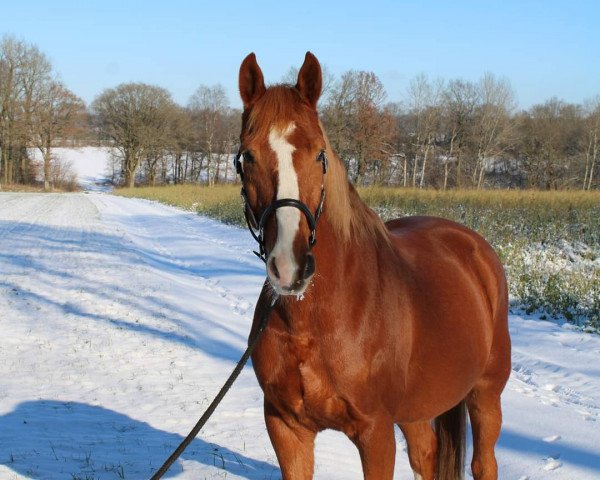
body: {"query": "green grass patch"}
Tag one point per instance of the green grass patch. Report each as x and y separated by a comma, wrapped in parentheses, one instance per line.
(549, 242)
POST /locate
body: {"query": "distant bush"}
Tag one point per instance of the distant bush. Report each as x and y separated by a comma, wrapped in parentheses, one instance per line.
(62, 176)
(549, 242)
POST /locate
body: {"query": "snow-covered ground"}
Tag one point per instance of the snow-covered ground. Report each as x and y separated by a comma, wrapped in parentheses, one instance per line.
(120, 319)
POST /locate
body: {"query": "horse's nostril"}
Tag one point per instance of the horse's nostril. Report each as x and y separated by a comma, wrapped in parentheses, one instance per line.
(274, 269)
(309, 268)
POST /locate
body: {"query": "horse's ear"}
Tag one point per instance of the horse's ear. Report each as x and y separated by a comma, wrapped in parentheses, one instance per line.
(251, 81)
(310, 80)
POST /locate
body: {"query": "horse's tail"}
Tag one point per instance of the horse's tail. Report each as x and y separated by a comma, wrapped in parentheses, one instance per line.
(450, 430)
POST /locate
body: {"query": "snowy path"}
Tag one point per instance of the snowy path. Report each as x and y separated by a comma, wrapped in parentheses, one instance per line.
(120, 319)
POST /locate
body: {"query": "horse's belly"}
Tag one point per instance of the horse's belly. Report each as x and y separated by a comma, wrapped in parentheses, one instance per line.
(438, 379)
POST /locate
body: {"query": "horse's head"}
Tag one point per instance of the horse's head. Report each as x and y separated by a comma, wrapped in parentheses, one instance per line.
(282, 163)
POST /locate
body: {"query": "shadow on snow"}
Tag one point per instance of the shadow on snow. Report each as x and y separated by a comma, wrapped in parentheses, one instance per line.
(60, 258)
(536, 447)
(53, 439)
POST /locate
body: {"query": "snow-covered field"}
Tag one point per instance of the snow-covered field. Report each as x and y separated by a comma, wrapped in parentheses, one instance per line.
(120, 319)
(90, 164)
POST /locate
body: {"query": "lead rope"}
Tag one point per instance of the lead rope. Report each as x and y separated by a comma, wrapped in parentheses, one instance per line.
(224, 389)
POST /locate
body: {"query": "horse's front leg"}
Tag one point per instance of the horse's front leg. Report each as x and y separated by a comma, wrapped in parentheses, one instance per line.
(293, 443)
(377, 447)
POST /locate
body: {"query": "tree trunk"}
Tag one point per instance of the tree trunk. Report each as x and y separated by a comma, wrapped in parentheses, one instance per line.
(481, 175)
(9, 169)
(587, 167)
(131, 163)
(447, 159)
(4, 164)
(422, 180)
(209, 177)
(593, 162)
(227, 168)
(415, 167)
(47, 159)
(185, 167)
(359, 171)
(445, 175)
(130, 178)
(218, 169)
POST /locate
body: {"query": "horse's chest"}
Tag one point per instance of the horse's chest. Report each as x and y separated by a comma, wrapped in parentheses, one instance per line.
(303, 385)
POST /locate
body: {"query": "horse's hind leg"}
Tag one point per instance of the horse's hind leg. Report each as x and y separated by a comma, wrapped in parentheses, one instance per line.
(485, 412)
(422, 447)
(486, 419)
(293, 444)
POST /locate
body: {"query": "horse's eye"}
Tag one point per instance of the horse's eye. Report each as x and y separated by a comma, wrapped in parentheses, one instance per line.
(248, 158)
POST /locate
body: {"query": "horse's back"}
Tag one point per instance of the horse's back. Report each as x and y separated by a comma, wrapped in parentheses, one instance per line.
(442, 240)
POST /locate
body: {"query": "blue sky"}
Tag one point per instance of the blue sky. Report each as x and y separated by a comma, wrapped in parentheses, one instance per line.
(545, 48)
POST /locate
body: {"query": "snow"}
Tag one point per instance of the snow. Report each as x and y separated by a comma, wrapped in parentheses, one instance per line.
(90, 164)
(120, 319)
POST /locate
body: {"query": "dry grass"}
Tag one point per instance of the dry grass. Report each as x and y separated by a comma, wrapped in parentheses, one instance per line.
(222, 202)
(500, 215)
(38, 188)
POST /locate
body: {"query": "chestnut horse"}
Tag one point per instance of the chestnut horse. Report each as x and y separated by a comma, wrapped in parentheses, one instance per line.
(403, 323)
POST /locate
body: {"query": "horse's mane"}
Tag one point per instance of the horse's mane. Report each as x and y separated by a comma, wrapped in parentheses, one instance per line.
(349, 216)
(345, 210)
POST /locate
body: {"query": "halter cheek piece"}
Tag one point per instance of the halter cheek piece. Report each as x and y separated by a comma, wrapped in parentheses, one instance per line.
(257, 228)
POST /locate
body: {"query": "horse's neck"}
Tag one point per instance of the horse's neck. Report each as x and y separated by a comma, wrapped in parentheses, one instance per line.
(343, 259)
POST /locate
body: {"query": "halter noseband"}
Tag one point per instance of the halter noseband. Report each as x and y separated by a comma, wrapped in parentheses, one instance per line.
(257, 228)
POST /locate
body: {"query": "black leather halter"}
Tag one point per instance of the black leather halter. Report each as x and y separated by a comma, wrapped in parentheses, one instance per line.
(257, 228)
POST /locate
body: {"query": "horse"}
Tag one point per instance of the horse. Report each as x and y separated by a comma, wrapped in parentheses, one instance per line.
(375, 325)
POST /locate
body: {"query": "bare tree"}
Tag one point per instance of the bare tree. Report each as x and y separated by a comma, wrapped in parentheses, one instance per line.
(460, 99)
(592, 139)
(209, 106)
(135, 117)
(338, 117)
(424, 100)
(183, 137)
(357, 124)
(551, 142)
(492, 126)
(57, 114)
(24, 70)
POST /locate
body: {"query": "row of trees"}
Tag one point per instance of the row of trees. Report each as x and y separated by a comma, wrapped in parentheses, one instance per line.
(158, 141)
(444, 134)
(36, 111)
(460, 134)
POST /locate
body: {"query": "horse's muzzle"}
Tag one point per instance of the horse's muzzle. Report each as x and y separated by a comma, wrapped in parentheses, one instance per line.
(290, 279)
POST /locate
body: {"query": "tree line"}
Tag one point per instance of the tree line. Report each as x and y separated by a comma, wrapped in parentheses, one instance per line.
(444, 134)
(36, 111)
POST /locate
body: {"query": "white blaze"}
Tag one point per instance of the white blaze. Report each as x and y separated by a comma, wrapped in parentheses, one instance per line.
(288, 218)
